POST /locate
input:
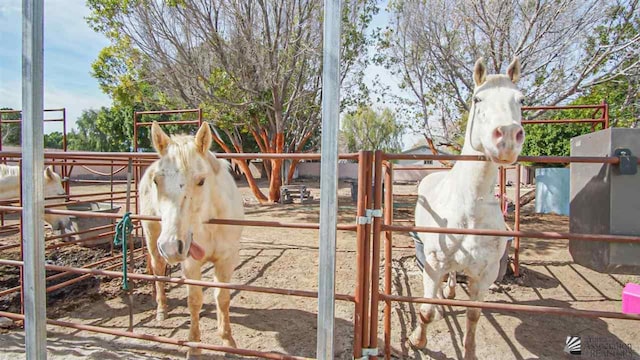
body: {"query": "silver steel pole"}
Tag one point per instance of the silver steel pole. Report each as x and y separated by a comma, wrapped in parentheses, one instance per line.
(32, 179)
(329, 177)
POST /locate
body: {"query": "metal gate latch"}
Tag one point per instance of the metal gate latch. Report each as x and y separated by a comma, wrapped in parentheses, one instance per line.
(368, 217)
(367, 353)
(628, 164)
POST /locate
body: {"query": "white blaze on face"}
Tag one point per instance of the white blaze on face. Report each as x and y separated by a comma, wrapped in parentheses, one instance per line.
(181, 189)
(495, 117)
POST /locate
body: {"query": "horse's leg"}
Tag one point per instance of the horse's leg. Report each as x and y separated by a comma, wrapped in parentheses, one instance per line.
(450, 288)
(477, 287)
(428, 312)
(158, 265)
(223, 271)
(192, 270)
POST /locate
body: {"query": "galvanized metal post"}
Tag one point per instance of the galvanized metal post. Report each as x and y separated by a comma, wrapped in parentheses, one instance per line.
(32, 179)
(329, 177)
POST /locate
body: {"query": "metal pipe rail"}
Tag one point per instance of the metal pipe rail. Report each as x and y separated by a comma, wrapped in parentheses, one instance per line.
(65, 273)
(181, 281)
(548, 235)
(546, 310)
(539, 159)
(160, 339)
(310, 226)
(109, 156)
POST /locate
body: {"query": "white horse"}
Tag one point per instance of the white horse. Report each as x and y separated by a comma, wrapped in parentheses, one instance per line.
(10, 189)
(463, 198)
(187, 186)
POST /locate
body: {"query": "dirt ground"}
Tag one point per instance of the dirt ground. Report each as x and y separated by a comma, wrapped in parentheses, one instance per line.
(288, 258)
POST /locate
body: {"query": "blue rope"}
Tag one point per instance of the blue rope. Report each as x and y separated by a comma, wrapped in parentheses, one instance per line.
(123, 230)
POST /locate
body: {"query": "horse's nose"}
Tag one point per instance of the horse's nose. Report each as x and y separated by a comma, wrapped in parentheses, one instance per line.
(508, 136)
(171, 250)
(180, 246)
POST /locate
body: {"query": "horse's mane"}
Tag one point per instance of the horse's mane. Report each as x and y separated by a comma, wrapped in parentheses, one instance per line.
(9, 170)
(184, 147)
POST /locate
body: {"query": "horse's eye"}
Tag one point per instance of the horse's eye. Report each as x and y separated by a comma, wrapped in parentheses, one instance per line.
(521, 101)
(476, 99)
(155, 180)
(201, 182)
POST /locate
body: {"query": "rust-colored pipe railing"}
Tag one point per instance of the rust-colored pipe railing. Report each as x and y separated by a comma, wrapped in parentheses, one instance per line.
(548, 235)
(516, 226)
(375, 268)
(539, 159)
(86, 276)
(174, 122)
(181, 281)
(367, 251)
(388, 243)
(310, 226)
(360, 269)
(546, 310)
(160, 339)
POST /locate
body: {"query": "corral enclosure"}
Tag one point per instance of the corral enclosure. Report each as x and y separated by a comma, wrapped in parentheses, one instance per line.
(287, 258)
(548, 302)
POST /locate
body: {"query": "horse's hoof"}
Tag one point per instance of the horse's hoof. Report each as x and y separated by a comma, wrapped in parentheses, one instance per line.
(193, 353)
(468, 356)
(161, 315)
(229, 343)
(416, 342)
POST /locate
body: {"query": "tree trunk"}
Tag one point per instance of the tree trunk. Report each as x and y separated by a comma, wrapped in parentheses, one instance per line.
(276, 170)
(252, 182)
(292, 170)
(255, 189)
(527, 198)
(434, 151)
(294, 163)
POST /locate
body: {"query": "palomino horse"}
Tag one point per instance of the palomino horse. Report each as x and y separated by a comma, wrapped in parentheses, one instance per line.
(10, 189)
(463, 198)
(186, 187)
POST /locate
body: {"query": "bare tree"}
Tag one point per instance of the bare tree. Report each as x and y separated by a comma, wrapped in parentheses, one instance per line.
(260, 60)
(565, 47)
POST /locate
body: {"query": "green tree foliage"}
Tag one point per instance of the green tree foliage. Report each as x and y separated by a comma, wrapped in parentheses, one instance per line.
(621, 92)
(11, 134)
(53, 140)
(555, 139)
(253, 66)
(367, 129)
(566, 48)
(111, 129)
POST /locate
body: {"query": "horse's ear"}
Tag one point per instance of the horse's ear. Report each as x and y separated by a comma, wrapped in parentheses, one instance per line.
(159, 138)
(215, 163)
(48, 173)
(513, 71)
(203, 138)
(479, 72)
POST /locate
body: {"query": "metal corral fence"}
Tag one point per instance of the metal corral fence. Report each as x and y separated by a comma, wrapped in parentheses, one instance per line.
(136, 162)
(373, 220)
(386, 225)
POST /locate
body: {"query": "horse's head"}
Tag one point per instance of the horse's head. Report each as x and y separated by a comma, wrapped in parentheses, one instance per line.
(183, 180)
(494, 125)
(53, 188)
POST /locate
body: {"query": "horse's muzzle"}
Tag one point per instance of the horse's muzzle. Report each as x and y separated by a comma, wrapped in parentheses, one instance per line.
(173, 249)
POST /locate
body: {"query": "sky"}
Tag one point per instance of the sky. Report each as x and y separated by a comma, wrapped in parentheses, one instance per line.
(70, 46)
